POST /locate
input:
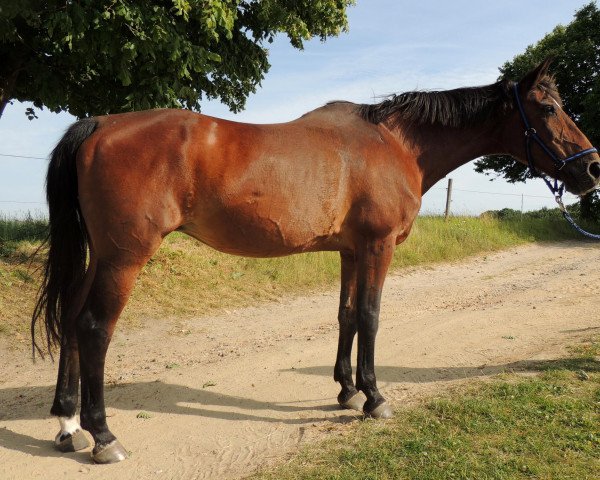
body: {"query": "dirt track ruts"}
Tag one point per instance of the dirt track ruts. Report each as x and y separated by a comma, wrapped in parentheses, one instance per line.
(228, 393)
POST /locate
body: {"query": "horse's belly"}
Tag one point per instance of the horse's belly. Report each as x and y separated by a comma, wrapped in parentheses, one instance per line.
(265, 230)
(283, 201)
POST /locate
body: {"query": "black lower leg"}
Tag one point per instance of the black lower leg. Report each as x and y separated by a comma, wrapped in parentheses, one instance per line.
(374, 259)
(365, 371)
(67, 384)
(343, 368)
(347, 323)
(93, 338)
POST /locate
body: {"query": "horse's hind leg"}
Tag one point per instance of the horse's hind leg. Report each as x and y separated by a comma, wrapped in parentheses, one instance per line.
(112, 285)
(348, 397)
(70, 438)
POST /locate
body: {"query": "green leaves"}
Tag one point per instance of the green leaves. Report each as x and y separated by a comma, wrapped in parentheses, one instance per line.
(92, 58)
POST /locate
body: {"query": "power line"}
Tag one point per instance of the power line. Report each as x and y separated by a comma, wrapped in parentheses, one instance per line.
(496, 193)
(16, 201)
(22, 156)
(499, 193)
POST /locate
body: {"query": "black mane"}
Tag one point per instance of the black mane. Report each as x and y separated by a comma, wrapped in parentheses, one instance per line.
(449, 108)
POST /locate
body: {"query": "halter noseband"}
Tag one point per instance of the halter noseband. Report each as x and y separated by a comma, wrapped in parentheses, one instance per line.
(557, 191)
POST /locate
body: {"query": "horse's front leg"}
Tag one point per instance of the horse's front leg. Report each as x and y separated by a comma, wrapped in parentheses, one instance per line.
(373, 259)
(349, 396)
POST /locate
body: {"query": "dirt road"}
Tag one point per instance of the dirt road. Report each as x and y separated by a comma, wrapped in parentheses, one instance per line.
(219, 396)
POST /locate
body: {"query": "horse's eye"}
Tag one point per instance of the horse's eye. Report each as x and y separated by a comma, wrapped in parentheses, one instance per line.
(549, 109)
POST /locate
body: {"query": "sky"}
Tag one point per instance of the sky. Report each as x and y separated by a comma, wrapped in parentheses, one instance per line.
(392, 46)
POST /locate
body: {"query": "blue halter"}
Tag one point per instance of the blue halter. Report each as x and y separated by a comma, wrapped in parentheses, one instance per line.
(557, 191)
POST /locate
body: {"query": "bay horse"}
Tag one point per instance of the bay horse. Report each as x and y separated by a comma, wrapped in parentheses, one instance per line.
(344, 177)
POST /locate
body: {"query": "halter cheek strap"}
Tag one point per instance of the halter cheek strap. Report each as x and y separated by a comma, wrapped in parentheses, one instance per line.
(557, 191)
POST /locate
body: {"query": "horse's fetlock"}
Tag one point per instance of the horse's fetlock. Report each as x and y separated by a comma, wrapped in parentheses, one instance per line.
(64, 406)
(103, 437)
(93, 421)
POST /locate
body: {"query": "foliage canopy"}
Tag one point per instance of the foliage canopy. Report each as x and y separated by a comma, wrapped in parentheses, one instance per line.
(93, 57)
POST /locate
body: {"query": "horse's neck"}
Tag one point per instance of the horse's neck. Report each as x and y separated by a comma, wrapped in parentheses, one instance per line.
(439, 150)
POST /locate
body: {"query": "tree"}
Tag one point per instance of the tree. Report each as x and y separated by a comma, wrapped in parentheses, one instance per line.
(94, 57)
(576, 49)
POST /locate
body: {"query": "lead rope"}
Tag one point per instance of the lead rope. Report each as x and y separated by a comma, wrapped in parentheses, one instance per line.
(569, 219)
(558, 191)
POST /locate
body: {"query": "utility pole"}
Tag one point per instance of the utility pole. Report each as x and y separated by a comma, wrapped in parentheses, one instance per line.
(522, 204)
(448, 198)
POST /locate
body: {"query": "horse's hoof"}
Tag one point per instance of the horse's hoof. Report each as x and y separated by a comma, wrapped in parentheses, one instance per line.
(382, 411)
(72, 442)
(355, 402)
(112, 453)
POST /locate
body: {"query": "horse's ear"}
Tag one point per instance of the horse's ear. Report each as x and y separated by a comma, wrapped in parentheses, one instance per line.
(530, 80)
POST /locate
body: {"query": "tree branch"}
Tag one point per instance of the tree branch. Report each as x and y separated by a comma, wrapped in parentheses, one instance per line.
(7, 86)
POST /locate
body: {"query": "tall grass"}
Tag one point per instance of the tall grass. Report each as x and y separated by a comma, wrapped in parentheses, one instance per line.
(30, 228)
(186, 278)
(13, 231)
(434, 239)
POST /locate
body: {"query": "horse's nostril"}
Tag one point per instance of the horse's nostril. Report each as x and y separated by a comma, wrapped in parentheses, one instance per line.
(594, 169)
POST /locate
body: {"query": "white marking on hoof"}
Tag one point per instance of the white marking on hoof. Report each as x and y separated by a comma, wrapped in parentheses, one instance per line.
(68, 426)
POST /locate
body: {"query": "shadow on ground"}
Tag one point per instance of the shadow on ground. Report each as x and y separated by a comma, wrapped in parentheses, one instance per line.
(33, 402)
(427, 375)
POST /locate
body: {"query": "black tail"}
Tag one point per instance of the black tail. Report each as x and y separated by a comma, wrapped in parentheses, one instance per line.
(67, 237)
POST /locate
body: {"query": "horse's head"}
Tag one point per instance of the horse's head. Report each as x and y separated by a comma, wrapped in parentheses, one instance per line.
(553, 144)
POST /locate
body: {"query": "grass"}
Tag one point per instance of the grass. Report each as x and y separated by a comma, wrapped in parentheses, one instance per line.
(435, 240)
(514, 427)
(188, 279)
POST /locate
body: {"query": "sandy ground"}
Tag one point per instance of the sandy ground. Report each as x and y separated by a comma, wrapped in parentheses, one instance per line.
(230, 393)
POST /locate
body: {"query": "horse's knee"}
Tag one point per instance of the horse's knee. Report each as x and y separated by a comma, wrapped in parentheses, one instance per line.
(347, 315)
(368, 320)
